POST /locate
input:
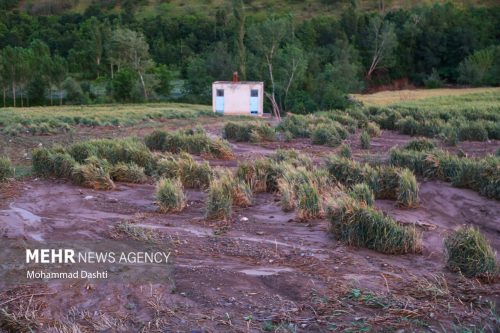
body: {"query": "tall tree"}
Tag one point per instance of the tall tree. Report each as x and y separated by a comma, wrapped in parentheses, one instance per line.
(383, 41)
(129, 48)
(266, 39)
(240, 16)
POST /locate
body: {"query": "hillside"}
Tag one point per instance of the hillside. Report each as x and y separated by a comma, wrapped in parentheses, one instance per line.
(301, 9)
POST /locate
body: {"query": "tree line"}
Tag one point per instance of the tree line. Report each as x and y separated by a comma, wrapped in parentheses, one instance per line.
(103, 56)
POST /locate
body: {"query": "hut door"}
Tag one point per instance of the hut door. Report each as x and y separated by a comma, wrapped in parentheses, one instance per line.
(219, 101)
(254, 101)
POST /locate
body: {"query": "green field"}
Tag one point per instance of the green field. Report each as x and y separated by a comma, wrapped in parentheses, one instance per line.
(50, 120)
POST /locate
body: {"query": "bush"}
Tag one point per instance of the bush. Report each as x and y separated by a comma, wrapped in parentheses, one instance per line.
(262, 133)
(237, 132)
(365, 140)
(407, 189)
(345, 151)
(6, 169)
(467, 251)
(358, 225)
(93, 174)
(362, 192)
(170, 195)
(128, 173)
(422, 144)
(219, 201)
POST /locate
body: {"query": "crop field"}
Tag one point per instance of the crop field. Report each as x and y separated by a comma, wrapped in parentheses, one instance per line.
(373, 219)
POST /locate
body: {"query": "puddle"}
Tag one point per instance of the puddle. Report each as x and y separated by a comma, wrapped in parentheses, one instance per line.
(16, 220)
(23, 214)
(265, 271)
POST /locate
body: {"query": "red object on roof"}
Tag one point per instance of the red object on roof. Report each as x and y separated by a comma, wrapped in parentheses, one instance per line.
(235, 77)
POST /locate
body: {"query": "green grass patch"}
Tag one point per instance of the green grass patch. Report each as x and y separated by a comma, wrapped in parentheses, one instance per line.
(170, 195)
(468, 252)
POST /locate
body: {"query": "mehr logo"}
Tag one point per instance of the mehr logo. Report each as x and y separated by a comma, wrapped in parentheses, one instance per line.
(50, 256)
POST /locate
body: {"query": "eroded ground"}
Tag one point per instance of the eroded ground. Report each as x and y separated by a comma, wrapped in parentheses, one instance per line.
(263, 271)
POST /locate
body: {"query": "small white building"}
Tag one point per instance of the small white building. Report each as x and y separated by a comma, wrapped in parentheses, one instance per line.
(238, 98)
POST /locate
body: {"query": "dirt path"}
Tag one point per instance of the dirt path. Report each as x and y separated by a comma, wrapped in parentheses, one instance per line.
(264, 267)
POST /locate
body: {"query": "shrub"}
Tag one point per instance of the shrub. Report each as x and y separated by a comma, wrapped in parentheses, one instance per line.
(362, 192)
(407, 189)
(6, 169)
(128, 173)
(219, 201)
(467, 251)
(309, 201)
(93, 174)
(421, 144)
(373, 129)
(170, 195)
(358, 225)
(345, 151)
(365, 140)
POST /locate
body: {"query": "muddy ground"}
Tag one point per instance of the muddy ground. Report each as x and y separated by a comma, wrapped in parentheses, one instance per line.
(263, 271)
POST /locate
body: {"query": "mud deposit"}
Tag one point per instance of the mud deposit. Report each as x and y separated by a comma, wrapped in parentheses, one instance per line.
(263, 271)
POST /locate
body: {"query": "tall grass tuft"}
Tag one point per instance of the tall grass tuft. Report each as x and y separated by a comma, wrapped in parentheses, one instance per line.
(128, 173)
(219, 201)
(309, 201)
(93, 174)
(365, 140)
(373, 129)
(240, 191)
(358, 225)
(421, 144)
(468, 252)
(407, 190)
(345, 151)
(362, 192)
(6, 169)
(170, 195)
(287, 195)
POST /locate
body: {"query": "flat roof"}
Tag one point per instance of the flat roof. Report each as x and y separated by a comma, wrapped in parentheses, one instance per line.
(239, 82)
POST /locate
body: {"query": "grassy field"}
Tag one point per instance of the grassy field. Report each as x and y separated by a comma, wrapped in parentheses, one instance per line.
(408, 97)
(301, 9)
(48, 120)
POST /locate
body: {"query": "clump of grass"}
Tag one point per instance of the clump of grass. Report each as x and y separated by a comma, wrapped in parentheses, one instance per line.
(53, 163)
(191, 173)
(356, 224)
(365, 140)
(407, 189)
(309, 201)
(288, 197)
(293, 157)
(6, 169)
(237, 132)
(262, 175)
(262, 133)
(345, 151)
(326, 134)
(421, 144)
(362, 192)
(191, 141)
(170, 195)
(468, 252)
(219, 201)
(240, 191)
(373, 129)
(128, 173)
(93, 174)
